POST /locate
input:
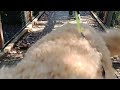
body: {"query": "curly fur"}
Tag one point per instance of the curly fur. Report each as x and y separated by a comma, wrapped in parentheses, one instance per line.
(112, 39)
(64, 54)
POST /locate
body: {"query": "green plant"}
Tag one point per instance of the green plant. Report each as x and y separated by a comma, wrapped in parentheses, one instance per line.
(116, 19)
(80, 29)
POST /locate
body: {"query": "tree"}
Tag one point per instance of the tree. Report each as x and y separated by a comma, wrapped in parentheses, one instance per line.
(109, 18)
(105, 16)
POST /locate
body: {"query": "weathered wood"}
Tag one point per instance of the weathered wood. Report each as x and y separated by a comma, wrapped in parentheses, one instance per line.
(35, 20)
(30, 16)
(1, 35)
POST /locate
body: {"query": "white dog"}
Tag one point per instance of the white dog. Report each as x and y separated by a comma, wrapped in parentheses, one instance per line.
(112, 39)
(65, 54)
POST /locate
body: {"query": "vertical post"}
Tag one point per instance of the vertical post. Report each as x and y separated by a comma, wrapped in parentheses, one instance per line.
(109, 18)
(30, 16)
(105, 17)
(1, 35)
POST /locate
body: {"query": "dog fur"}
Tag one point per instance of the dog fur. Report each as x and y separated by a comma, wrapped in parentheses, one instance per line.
(64, 54)
(112, 39)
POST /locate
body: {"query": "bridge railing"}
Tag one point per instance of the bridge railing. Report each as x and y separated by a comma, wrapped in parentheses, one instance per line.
(109, 18)
(13, 22)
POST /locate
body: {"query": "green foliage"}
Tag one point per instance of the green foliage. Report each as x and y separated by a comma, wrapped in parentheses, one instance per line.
(116, 19)
(77, 19)
(80, 29)
(78, 22)
(118, 16)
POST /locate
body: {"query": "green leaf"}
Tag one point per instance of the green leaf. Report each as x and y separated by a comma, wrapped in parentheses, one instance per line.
(78, 22)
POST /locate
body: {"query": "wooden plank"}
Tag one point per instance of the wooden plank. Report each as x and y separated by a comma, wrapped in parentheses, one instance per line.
(1, 35)
(36, 19)
(97, 19)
